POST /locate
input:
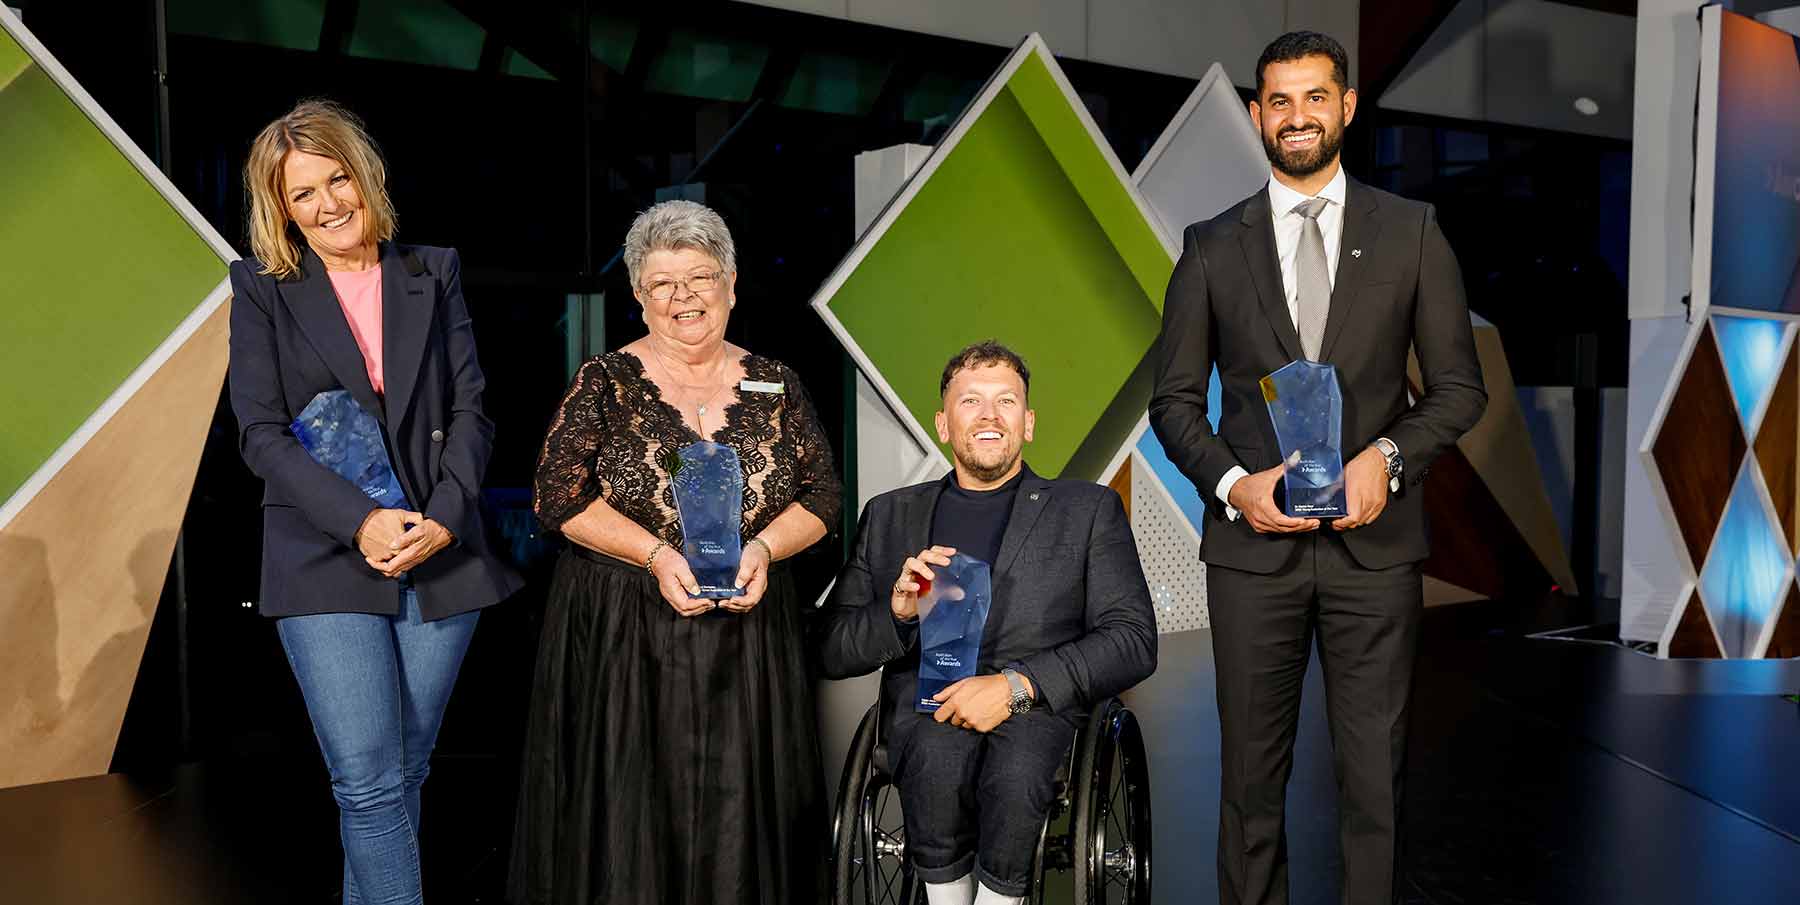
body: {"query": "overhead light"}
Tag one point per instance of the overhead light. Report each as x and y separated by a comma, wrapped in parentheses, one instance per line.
(1586, 106)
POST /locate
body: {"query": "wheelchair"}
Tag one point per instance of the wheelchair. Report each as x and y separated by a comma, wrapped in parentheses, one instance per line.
(1095, 837)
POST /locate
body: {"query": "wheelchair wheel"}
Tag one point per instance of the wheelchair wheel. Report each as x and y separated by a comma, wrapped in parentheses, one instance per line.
(869, 865)
(1111, 811)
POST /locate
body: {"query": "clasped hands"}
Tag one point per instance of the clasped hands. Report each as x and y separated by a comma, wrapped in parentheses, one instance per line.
(675, 580)
(979, 703)
(1365, 496)
(394, 541)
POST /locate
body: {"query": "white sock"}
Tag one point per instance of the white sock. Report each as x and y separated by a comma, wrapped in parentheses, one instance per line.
(989, 897)
(960, 891)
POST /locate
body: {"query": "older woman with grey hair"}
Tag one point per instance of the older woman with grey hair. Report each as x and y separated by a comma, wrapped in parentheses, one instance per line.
(672, 755)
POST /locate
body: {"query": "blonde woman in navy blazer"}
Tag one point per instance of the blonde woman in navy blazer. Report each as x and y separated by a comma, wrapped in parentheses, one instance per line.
(374, 606)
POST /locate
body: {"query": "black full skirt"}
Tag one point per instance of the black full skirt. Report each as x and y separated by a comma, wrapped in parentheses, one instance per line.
(668, 760)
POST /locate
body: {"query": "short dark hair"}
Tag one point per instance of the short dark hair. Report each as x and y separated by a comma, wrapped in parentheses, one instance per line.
(1296, 45)
(980, 355)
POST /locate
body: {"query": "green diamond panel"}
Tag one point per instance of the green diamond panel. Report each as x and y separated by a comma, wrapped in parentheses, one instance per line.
(99, 267)
(1026, 233)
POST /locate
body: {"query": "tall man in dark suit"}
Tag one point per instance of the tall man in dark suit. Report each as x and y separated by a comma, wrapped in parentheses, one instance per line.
(1322, 267)
(1070, 625)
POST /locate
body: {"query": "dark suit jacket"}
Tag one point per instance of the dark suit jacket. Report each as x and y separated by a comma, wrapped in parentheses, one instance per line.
(1070, 611)
(1226, 307)
(289, 342)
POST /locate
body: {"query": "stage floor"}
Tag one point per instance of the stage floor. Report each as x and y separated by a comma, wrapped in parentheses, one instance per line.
(1541, 771)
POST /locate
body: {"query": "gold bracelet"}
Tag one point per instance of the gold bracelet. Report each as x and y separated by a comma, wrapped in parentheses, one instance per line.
(651, 559)
(768, 550)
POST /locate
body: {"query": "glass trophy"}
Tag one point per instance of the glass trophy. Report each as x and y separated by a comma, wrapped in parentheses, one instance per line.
(708, 484)
(1308, 411)
(341, 436)
(953, 610)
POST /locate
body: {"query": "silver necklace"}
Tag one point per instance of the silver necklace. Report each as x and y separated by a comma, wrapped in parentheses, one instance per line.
(699, 410)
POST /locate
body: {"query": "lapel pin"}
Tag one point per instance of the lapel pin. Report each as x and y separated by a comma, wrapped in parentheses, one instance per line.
(1356, 252)
(1034, 496)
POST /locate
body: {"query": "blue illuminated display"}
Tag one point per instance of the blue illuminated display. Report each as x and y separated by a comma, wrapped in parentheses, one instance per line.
(1751, 350)
(1746, 573)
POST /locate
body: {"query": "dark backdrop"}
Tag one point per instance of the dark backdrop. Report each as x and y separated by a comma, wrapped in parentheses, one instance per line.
(528, 142)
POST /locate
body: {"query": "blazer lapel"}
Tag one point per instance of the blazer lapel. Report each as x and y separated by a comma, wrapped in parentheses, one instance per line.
(1028, 504)
(916, 513)
(1258, 240)
(407, 307)
(1361, 228)
(315, 307)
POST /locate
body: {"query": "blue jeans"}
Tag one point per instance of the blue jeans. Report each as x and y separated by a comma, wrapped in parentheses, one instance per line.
(375, 687)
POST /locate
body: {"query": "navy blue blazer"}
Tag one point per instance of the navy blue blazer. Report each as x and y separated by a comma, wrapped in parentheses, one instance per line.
(290, 341)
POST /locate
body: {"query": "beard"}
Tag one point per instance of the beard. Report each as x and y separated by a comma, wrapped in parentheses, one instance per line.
(989, 464)
(1301, 164)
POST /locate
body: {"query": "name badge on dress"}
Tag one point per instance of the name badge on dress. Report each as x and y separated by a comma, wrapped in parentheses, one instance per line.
(762, 386)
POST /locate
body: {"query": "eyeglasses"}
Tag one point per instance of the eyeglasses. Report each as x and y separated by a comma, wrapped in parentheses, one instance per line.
(663, 290)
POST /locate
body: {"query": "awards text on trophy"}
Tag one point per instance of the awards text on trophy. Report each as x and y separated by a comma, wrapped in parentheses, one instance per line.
(953, 611)
(1308, 411)
(708, 483)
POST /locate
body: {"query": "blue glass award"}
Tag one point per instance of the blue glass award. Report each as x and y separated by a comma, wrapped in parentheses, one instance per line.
(341, 436)
(708, 484)
(952, 613)
(1308, 411)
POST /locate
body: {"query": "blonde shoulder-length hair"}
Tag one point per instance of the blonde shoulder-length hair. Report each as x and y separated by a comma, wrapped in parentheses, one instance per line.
(328, 130)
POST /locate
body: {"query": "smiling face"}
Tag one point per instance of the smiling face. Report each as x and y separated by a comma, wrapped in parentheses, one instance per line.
(323, 201)
(986, 423)
(689, 318)
(1301, 115)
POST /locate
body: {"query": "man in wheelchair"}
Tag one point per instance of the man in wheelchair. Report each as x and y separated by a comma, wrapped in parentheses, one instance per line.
(1070, 625)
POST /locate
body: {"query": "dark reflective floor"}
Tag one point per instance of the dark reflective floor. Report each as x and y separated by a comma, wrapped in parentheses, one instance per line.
(1541, 771)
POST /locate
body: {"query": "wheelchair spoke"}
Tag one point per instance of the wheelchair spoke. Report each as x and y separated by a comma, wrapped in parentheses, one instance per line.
(1116, 803)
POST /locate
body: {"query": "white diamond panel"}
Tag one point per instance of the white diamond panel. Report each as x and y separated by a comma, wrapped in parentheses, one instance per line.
(1170, 551)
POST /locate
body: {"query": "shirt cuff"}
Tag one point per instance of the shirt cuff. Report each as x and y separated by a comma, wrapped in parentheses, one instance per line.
(1223, 492)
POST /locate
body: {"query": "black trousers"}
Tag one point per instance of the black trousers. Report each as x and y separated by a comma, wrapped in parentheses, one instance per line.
(1366, 625)
(964, 793)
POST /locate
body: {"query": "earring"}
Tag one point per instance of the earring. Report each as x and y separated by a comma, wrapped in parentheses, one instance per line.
(732, 303)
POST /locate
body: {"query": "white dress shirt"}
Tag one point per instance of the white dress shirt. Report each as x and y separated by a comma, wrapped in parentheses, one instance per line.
(1288, 225)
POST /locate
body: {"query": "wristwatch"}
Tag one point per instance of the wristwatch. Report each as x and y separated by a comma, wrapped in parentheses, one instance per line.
(1395, 464)
(1021, 699)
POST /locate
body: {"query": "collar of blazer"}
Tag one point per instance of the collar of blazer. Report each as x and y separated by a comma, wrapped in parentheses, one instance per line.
(917, 508)
(407, 306)
(1361, 228)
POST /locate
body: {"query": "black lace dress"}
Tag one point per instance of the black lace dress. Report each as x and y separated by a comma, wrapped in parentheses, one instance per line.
(671, 760)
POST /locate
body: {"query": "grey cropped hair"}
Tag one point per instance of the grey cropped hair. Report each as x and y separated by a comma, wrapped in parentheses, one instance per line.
(675, 225)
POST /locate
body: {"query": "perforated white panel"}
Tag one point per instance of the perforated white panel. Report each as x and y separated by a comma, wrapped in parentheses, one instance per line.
(1170, 551)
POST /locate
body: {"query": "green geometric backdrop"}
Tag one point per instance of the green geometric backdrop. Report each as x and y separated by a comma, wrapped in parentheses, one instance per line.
(114, 323)
(1060, 259)
(74, 331)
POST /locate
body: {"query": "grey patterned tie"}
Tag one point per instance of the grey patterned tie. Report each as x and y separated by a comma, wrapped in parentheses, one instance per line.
(1314, 289)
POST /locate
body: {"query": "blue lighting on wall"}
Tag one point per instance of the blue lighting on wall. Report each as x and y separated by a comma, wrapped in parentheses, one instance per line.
(1751, 350)
(1744, 578)
(1179, 487)
(1187, 499)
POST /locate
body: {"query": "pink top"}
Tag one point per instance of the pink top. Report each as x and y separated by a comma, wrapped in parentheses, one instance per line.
(359, 294)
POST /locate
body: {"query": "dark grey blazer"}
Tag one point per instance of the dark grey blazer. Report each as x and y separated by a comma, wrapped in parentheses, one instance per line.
(1071, 610)
(1398, 287)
